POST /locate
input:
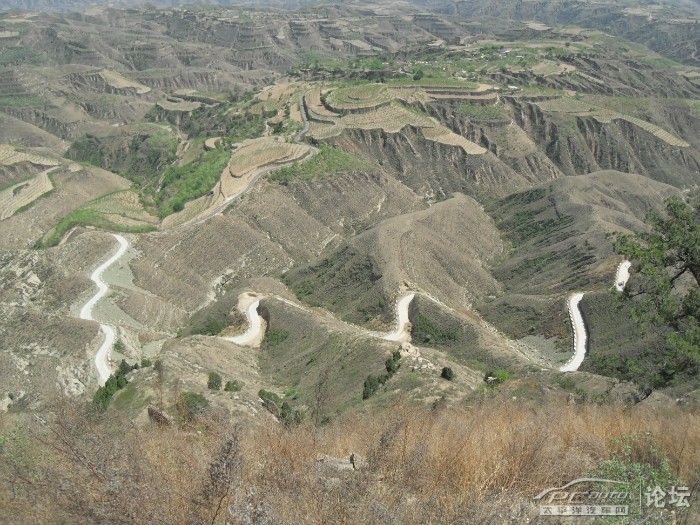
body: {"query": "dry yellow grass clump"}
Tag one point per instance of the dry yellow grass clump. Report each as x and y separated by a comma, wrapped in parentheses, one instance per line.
(24, 193)
(414, 465)
(445, 135)
(9, 155)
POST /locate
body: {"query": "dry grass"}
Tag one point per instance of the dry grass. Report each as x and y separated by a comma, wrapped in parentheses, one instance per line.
(440, 465)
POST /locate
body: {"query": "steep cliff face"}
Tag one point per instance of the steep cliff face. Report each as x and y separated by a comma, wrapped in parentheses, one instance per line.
(581, 144)
(431, 169)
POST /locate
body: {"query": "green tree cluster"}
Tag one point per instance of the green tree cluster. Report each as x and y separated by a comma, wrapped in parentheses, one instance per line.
(114, 383)
(372, 383)
(665, 291)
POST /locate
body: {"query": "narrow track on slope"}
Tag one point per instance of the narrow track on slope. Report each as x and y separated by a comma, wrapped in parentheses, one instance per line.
(102, 355)
(580, 336)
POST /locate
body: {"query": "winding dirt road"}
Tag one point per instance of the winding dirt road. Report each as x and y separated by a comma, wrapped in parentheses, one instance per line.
(580, 336)
(102, 356)
(401, 334)
(254, 333)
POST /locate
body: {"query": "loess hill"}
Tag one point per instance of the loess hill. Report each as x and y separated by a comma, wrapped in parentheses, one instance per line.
(331, 160)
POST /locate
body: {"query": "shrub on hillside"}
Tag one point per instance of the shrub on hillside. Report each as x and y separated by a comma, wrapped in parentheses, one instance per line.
(233, 386)
(190, 405)
(274, 337)
(447, 373)
(496, 377)
(393, 363)
(214, 381)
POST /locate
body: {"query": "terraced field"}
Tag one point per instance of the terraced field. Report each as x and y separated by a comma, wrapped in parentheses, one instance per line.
(24, 193)
(359, 97)
(118, 81)
(316, 109)
(192, 210)
(262, 153)
(277, 98)
(9, 155)
(370, 110)
(249, 162)
(605, 116)
(123, 208)
(392, 118)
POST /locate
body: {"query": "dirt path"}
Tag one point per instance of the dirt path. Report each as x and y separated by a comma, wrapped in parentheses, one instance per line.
(402, 332)
(102, 356)
(248, 303)
(580, 336)
(622, 276)
(254, 334)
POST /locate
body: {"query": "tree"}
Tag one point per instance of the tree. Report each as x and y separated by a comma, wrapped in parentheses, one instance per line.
(665, 291)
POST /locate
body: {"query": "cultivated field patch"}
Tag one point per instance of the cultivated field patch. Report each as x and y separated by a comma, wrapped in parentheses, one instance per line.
(9, 155)
(118, 81)
(24, 193)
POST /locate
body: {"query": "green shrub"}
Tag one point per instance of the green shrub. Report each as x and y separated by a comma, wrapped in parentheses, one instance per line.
(329, 161)
(115, 382)
(190, 405)
(372, 384)
(427, 331)
(145, 362)
(182, 184)
(447, 373)
(233, 386)
(496, 377)
(393, 363)
(282, 410)
(638, 460)
(214, 381)
(274, 337)
(124, 368)
(211, 326)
